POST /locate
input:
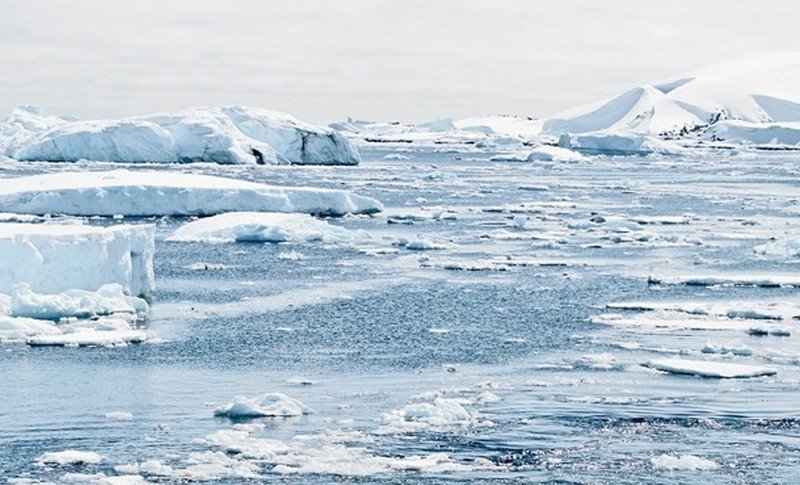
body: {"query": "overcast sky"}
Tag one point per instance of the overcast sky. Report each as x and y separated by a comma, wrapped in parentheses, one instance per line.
(399, 60)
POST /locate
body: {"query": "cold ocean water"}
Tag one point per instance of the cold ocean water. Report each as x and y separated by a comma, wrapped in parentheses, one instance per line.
(515, 351)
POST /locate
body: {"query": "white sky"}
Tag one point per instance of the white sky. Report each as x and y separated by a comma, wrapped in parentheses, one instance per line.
(377, 59)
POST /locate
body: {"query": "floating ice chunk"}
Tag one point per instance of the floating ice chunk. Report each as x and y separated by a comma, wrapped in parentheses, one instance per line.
(69, 458)
(119, 416)
(52, 258)
(423, 244)
(702, 368)
(267, 405)
(547, 153)
(510, 157)
(783, 248)
(231, 134)
(148, 193)
(89, 337)
(741, 350)
(103, 479)
(441, 413)
(263, 227)
(107, 300)
(395, 156)
(682, 462)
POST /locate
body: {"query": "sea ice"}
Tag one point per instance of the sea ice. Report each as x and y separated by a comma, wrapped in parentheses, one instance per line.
(703, 368)
(264, 227)
(147, 193)
(682, 462)
(267, 405)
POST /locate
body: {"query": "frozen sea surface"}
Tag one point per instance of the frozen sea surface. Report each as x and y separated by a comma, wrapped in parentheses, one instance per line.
(509, 342)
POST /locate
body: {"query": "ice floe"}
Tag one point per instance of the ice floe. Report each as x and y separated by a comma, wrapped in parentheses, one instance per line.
(782, 248)
(682, 462)
(69, 458)
(148, 193)
(264, 227)
(228, 135)
(704, 368)
(441, 413)
(267, 405)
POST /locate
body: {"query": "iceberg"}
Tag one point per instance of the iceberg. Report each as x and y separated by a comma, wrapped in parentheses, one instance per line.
(148, 193)
(263, 227)
(55, 258)
(226, 135)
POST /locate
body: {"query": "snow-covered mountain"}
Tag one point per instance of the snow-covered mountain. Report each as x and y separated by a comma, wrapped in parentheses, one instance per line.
(756, 89)
(230, 135)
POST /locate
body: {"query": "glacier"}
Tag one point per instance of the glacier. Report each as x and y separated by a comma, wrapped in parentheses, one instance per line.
(225, 135)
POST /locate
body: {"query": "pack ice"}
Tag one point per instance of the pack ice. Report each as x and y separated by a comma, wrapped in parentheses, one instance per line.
(228, 135)
(753, 99)
(145, 193)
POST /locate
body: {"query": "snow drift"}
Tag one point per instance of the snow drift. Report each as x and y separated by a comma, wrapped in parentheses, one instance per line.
(52, 258)
(757, 89)
(227, 135)
(143, 193)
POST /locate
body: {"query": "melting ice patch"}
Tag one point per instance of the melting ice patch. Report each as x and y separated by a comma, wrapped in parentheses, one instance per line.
(682, 462)
(267, 405)
(441, 413)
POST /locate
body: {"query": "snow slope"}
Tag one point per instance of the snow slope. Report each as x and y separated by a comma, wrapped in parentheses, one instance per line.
(228, 135)
(760, 88)
(51, 258)
(143, 193)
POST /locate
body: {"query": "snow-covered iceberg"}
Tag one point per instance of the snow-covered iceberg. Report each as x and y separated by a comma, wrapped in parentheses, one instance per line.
(262, 227)
(478, 131)
(53, 258)
(756, 89)
(228, 135)
(146, 193)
